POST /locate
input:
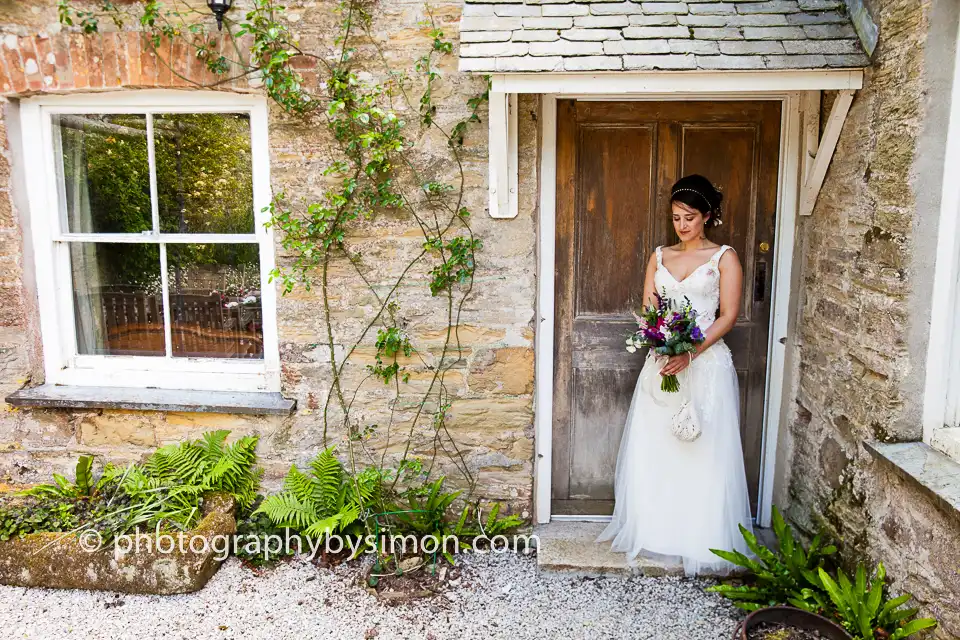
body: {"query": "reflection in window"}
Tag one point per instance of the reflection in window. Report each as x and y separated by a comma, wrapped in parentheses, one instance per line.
(215, 307)
(202, 167)
(204, 172)
(118, 301)
(104, 172)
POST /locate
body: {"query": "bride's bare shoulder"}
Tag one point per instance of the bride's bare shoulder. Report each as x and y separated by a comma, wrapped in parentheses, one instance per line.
(729, 259)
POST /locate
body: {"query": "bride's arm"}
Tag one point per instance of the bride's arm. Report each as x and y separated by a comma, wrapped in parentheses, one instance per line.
(649, 287)
(731, 289)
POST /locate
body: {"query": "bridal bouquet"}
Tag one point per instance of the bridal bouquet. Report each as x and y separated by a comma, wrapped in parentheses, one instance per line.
(669, 329)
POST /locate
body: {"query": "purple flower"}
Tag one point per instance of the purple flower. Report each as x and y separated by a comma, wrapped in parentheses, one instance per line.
(696, 334)
(652, 335)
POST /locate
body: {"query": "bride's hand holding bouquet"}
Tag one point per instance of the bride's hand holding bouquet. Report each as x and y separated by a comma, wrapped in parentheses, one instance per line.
(669, 329)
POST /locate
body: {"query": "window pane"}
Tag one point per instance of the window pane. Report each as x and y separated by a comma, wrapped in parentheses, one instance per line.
(117, 296)
(104, 172)
(204, 173)
(215, 300)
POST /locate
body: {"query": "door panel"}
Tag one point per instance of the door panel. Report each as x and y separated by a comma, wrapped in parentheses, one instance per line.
(616, 162)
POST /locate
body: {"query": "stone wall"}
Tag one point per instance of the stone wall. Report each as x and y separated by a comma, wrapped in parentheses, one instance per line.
(491, 417)
(866, 271)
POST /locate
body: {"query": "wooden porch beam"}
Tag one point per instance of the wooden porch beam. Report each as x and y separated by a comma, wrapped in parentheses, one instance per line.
(504, 178)
(813, 181)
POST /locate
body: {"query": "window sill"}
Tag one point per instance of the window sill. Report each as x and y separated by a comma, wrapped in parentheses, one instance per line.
(77, 397)
(935, 474)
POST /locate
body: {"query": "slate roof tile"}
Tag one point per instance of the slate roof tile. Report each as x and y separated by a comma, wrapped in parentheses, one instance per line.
(611, 35)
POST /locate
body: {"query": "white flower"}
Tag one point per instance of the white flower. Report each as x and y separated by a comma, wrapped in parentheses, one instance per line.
(632, 349)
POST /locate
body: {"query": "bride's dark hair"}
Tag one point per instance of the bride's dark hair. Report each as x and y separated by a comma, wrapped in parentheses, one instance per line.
(699, 193)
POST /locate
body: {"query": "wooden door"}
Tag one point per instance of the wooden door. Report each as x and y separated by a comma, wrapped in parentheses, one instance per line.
(616, 162)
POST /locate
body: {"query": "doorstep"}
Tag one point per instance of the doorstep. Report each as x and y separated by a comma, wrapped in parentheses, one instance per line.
(571, 547)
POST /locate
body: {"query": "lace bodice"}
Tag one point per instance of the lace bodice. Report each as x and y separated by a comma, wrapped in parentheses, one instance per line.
(702, 286)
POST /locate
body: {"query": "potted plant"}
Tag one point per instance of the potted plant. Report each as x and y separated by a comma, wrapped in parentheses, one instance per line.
(831, 605)
(788, 623)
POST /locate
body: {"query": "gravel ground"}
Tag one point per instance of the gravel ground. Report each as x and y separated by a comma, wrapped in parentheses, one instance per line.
(499, 596)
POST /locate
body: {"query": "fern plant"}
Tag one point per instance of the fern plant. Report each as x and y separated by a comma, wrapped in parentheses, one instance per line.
(864, 613)
(209, 464)
(63, 488)
(494, 525)
(165, 490)
(787, 574)
(323, 501)
(424, 514)
(426, 508)
(169, 486)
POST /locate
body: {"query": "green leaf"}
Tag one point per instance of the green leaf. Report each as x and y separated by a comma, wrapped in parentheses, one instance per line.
(736, 558)
(833, 590)
(84, 481)
(912, 627)
(891, 605)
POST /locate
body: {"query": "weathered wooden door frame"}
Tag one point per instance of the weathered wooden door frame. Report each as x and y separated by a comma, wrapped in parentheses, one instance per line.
(793, 145)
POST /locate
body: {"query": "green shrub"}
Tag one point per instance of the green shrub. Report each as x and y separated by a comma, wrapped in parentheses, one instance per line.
(796, 576)
(865, 611)
(165, 491)
(324, 501)
(254, 529)
(779, 575)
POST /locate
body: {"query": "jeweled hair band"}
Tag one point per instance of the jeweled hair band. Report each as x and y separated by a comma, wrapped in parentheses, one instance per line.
(694, 191)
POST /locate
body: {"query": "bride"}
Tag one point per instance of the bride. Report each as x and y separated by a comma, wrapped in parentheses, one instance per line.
(676, 500)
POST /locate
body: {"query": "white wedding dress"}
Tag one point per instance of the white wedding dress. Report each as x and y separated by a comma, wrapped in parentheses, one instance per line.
(677, 500)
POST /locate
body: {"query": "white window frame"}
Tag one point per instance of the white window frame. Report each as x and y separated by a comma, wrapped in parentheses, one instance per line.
(62, 364)
(941, 407)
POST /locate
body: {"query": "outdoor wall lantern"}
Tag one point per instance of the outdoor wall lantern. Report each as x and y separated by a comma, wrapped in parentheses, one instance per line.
(219, 8)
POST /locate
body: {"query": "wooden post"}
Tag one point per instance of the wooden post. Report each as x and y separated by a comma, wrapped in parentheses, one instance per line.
(828, 144)
(503, 155)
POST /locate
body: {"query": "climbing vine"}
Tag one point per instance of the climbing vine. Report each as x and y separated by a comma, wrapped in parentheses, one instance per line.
(373, 173)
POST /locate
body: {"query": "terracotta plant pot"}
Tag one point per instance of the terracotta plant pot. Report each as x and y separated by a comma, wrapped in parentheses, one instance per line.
(791, 617)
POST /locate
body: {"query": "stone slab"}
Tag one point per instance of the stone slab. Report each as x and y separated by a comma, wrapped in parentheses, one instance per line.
(570, 547)
(61, 561)
(935, 474)
(72, 397)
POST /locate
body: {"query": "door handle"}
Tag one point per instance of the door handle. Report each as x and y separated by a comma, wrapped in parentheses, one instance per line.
(760, 282)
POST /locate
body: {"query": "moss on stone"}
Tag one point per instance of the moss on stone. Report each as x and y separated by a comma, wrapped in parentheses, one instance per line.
(60, 561)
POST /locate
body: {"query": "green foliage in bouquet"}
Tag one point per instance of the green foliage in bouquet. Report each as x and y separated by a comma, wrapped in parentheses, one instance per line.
(668, 328)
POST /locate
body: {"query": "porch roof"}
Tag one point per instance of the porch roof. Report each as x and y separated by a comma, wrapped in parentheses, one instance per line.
(613, 35)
